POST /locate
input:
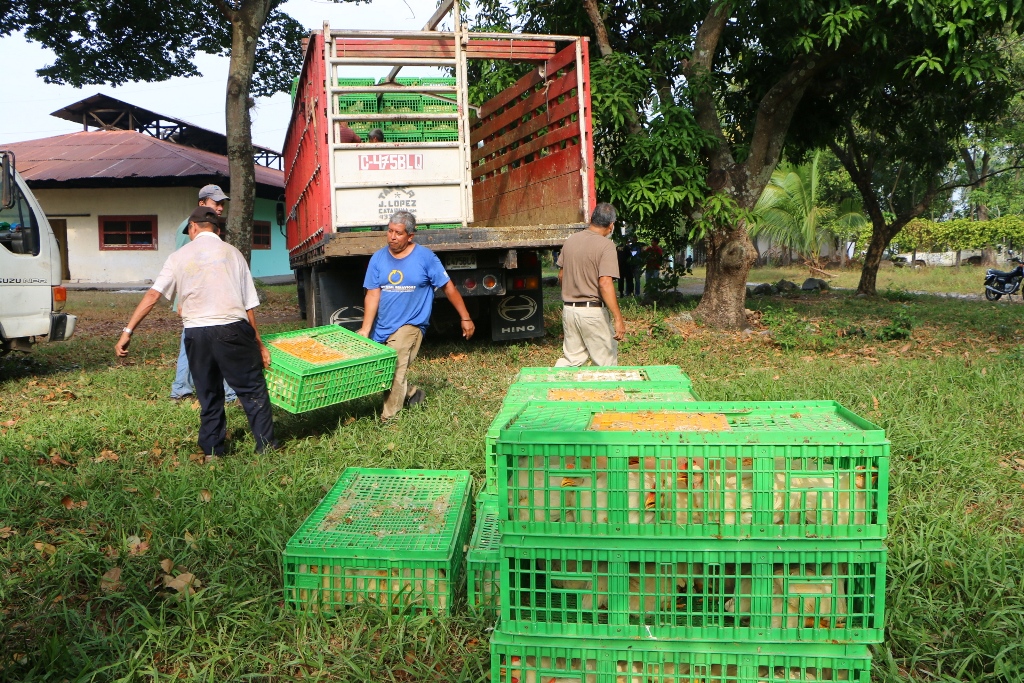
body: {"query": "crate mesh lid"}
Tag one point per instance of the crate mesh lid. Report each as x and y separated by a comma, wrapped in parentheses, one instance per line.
(487, 533)
(388, 510)
(744, 420)
(321, 348)
(621, 373)
(591, 392)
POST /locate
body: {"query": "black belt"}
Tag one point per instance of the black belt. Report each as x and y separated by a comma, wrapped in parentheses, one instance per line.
(585, 304)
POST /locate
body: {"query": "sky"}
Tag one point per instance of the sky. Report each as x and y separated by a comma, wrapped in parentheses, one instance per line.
(28, 101)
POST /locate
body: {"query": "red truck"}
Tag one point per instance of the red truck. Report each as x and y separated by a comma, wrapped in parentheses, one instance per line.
(492, 184)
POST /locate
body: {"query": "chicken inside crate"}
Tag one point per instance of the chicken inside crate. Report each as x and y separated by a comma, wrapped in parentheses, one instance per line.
(516, 659)
(711, 591)
(692, 473)
(309, 350)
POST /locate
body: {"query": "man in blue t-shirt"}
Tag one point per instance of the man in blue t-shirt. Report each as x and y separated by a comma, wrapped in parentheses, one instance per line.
(400, 283)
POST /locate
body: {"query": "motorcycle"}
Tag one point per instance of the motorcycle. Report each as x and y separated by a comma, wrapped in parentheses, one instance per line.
(999, 283)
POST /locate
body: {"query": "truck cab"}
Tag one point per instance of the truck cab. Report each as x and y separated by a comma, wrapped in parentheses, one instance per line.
(31, 295)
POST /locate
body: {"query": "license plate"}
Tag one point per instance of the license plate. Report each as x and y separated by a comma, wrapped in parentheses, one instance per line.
(390, 162)
(460, 262)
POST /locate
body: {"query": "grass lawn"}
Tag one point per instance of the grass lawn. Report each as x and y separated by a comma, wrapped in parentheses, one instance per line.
(71, 512)
(939, 279)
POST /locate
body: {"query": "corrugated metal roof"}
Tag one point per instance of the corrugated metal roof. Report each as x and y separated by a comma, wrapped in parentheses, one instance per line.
(120, 154)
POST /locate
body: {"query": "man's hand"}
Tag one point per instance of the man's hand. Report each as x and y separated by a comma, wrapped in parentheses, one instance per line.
(363, 332)
(620, 329)
(121, 347)
(265, 353)
(468, 328)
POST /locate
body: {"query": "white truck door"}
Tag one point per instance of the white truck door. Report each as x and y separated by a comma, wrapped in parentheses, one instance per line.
(26, 273)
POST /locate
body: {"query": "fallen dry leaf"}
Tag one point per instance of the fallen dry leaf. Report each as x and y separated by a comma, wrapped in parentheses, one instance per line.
(185, 582)
(45, 548)
(110, 582)
(55, 459)
(205, 496)
(106, 455)
(349, 420)
(199, 458)
(136, 546)
(190, 541)
(9, 423)
(70, 504)
(992, 351)
(7, 531)
(875, 402)
(904, 348)
(456, 356)
(167, 565)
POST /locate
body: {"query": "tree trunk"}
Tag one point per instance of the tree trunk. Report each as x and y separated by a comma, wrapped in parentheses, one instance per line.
(958, 252)
(872, 259)
(246, 25)
(730, 254)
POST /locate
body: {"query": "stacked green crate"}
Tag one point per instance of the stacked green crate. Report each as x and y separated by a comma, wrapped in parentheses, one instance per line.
(393, 538)
(483, 578)
(358, 103)
(736, 541)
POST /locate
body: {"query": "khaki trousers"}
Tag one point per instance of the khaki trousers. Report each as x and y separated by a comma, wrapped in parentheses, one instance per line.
(588, 332)
(406, 343)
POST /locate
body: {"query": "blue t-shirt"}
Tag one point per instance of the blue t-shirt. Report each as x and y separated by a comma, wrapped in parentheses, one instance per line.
(406, 289)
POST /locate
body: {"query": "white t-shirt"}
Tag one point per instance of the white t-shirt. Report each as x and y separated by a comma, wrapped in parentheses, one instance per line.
(212, 282)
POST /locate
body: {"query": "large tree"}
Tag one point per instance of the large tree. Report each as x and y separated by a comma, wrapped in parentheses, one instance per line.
(97, 41)
(746, 72)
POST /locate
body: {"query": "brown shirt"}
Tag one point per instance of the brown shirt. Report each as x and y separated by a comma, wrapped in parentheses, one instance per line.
(586, 256)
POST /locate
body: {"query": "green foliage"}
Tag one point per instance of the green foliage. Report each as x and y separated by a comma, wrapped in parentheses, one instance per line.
(899, 327)
(101, 42)
(961, 233)
(791, 212)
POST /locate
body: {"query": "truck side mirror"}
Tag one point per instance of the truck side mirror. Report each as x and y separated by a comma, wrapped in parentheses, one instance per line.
(7, 183)
(280, 213)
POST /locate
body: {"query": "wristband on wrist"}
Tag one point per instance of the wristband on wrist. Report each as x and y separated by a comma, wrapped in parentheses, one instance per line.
(128, 331)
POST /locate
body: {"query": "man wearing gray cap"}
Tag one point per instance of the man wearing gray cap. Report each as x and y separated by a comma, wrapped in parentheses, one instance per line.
(213, 197)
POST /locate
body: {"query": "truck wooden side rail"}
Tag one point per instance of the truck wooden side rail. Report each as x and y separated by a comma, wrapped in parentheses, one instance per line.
(514, 176)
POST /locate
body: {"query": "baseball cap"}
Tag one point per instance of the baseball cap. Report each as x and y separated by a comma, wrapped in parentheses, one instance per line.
(203, 214)
(212, 192)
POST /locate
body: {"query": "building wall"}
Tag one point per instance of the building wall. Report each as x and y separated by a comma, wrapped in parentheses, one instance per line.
(88, 263)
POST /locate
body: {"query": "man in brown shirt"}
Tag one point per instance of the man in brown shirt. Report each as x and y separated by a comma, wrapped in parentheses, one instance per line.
(588, 270)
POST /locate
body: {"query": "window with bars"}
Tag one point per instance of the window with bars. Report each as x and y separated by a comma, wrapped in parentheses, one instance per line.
(128, 232)
(261, 235)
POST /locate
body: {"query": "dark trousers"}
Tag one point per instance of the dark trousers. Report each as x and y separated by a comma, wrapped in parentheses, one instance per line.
(228, 352)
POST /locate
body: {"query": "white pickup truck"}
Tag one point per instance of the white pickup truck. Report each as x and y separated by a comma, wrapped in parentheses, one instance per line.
(31, 295)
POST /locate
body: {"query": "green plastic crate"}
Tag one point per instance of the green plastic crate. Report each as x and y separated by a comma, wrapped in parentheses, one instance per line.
(356, 82)
(390, 136)
(621, 373)
(521, 393)
(440, 136)
(443, 226)
(522, 659)
(403, 126)
(434, 105)
(483, 560)
(402, 80)
(299, 386)
(724, 469)
(294, 88)
(437, 80)
(402, 102)
(715, 590)
(387, 537)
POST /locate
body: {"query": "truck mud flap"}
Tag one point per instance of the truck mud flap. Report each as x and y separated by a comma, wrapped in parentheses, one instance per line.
(519, 315)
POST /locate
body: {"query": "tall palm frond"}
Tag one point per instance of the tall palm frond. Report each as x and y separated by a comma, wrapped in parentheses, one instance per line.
(790, 213)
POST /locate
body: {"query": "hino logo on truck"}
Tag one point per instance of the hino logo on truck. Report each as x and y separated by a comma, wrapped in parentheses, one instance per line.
(395, 199)
(518, 328)
(22, 281)
(517, 309)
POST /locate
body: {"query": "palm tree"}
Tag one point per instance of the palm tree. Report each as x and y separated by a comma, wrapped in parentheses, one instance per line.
(790, 211)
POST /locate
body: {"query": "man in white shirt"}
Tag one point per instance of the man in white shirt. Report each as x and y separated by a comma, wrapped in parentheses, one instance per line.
(217, 298)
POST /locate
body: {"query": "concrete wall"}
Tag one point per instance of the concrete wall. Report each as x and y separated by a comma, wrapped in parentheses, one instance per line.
(88, 263)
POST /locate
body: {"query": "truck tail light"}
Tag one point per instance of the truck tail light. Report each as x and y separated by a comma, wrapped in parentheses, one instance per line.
(469, 283)
(532, 282)
(490, 282)
(60, 297)
(528, 259)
